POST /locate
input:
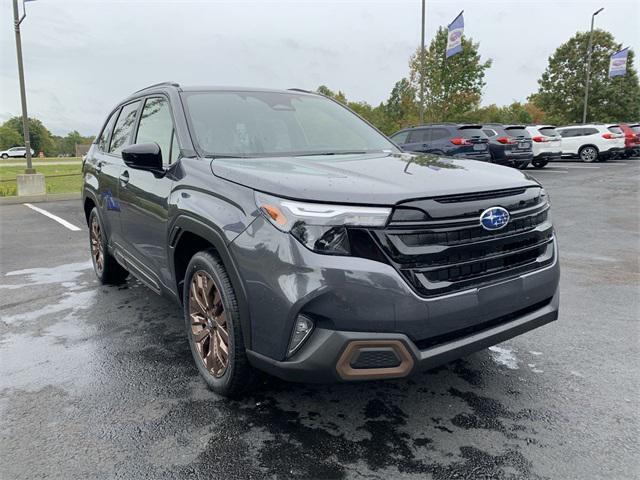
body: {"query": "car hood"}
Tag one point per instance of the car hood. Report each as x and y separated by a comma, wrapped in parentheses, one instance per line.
(382, 178)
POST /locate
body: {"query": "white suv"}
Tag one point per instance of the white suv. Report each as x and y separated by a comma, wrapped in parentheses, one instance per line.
(547, 144)
(15, 152)
(592, 142)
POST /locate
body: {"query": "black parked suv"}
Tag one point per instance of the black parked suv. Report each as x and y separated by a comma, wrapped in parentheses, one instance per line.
(301, 242)
(509, 144)
(450, 139)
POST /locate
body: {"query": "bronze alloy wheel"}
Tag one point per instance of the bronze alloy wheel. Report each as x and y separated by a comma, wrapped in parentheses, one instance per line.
(97, 251)
(209, 330)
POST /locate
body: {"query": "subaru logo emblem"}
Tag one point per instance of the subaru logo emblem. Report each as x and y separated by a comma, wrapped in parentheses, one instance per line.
(494, 218)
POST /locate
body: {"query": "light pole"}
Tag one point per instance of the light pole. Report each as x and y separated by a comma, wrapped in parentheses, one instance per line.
(17, 20)
(586, 90)
(422, 69)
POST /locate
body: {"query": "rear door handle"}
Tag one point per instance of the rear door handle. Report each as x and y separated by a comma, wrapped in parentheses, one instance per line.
(124, 178)
(99, 166)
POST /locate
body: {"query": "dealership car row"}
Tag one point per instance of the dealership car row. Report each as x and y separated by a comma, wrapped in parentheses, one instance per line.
(521, 145)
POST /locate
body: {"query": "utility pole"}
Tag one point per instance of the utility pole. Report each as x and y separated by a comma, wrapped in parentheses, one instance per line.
(421, 69)
(17, 20)
(586, 90)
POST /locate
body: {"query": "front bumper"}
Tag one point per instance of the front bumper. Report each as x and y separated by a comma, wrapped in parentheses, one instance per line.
(352, 298)
(322, 358)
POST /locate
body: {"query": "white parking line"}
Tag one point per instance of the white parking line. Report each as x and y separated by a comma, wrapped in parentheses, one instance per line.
(61, 221)
(550, 170)
(581, 166)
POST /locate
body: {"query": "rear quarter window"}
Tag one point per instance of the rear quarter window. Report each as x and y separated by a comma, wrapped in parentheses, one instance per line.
(615, 129)
(589, 131)
(635, 128)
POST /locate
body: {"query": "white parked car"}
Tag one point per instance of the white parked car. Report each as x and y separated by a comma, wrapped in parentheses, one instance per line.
(592, 142)
(547, 144)
(15, 152)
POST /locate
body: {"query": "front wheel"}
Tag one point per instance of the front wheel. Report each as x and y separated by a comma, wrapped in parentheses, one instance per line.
(588, 154)
(540, 163)
(5, 156)
(212, 321)
(107, 268)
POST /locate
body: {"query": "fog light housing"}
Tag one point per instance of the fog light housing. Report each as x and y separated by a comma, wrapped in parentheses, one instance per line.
(302, 328)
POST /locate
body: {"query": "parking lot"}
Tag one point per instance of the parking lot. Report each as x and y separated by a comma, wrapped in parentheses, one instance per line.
(99, 382)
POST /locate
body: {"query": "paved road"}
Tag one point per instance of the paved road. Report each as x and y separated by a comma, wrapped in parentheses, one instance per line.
(98, 382)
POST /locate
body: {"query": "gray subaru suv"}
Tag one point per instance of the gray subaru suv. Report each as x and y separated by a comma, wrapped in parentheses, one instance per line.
(302, 242)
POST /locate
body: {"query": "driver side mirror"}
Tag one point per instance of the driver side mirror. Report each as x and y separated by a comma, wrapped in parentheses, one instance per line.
(143, 156)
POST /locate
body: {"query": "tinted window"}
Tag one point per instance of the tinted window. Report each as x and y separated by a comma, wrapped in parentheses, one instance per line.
(589, 131)
(400, 137)
(124, 126)
(156, 126)
(103, 141)
(489, 133)
(635, 128)
(439, 133)
(548, 131)
(255, 123)
(419, 135)
(571, 132)
(615, 129)
(470, 132)
(517, 132)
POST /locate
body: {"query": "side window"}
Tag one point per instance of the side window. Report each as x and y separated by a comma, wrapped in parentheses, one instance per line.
(156, 126)
(175, 149)
(121, 136)
(589, 131)
(419, 135)
(439, 133)
(400, 137)
(569, 132)
(103, 141)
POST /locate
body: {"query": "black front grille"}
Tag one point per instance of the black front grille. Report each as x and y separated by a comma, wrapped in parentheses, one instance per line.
(455, 253)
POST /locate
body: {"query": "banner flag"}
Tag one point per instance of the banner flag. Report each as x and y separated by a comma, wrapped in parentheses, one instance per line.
(454, 41)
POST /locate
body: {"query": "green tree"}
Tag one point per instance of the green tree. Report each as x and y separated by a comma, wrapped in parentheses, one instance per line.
(39, 136)
(9, 138)
(562, 85)
(452, 87)
(401, 108)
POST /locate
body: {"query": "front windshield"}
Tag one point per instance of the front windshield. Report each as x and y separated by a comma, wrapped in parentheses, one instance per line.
(253, 124)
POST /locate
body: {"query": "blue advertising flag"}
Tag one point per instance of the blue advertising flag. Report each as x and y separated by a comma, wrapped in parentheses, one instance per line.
(454, 41)
(618, 63)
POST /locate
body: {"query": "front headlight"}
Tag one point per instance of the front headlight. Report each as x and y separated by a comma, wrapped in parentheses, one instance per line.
(318, 226)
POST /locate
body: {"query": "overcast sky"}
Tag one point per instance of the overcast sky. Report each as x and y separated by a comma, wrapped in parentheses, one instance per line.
(83, 56)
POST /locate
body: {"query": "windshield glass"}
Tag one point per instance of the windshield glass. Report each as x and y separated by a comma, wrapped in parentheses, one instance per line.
(254, 124)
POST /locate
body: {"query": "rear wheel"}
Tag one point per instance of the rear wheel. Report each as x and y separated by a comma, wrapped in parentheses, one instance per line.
(539, 163)
(588, 154)
(212, 321)
(107, 268)
(4, 155)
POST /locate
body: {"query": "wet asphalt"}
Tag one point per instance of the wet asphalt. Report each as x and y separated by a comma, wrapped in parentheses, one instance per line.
(98, 382)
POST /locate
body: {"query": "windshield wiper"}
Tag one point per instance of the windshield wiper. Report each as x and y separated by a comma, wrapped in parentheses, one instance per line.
(343, 152)
(214, 156)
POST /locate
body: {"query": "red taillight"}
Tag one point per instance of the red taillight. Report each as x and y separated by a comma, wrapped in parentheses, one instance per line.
(460, 141)
(539, 139)
(608, 136)
(506, 140)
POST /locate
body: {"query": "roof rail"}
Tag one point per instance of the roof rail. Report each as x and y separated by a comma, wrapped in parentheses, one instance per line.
(161, 84)
(299, 90)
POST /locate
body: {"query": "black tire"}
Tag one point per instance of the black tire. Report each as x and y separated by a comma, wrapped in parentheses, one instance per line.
(588, 154)
(522, 165)
(24, 156)
(106, 267)
(540, 163)
(5, 156)
(238, 375)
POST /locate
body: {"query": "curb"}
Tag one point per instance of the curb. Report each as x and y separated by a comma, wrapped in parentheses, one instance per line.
(50, 197)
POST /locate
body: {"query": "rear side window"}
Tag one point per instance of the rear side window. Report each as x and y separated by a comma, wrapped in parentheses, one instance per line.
(400, 137)
(548, 131)
(156, 126)
(103, 141)
(420, 135)
(571, 132)
(589, 131)
(517, 132)
(470, 132)
(615, 129)
(439, 133)
(124, 127)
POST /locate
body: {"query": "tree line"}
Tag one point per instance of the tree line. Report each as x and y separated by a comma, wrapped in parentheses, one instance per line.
(42, 140)
(453, 88)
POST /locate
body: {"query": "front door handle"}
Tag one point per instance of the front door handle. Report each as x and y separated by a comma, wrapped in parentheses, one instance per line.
(124, 178)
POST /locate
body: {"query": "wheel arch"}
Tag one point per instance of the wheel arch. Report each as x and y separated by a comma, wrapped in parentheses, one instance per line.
(189, 236)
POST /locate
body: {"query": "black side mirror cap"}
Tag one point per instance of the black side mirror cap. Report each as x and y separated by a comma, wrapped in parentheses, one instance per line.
(143, 156)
